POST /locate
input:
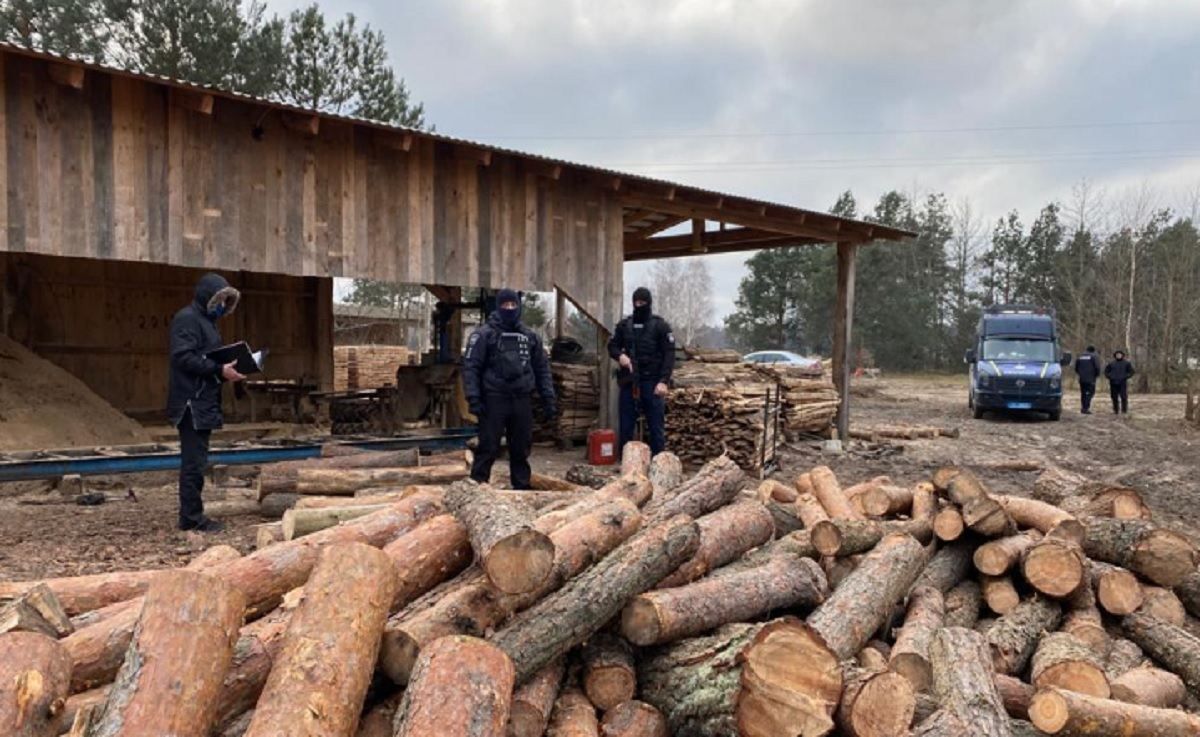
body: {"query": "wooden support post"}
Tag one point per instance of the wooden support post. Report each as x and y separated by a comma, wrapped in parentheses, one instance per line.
(323, 332)
(698, 236)
(560, 312)
(843, 320)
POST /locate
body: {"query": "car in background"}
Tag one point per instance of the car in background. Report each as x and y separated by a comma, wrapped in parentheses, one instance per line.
(784, 357)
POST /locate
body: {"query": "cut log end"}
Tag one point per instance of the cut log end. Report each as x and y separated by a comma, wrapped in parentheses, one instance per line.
(640, 620)
(633, 719)
(1119, 592)
(1055, 568)
(826, 538)
(883, 706)
(791, 683)
(1049, 711)
(520, 563)
(948, 524)
(1076, 676)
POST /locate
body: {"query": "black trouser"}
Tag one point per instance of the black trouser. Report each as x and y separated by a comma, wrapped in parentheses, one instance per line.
(193, 459)
(1120, 396)
(651, 406)
(1087, 390)
(510, 417)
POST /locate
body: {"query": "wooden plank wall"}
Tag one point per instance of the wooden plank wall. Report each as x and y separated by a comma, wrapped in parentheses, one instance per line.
(107, 322)
(117, 171)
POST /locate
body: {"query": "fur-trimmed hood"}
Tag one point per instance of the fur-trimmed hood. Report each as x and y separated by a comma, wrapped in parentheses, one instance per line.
(213, 290)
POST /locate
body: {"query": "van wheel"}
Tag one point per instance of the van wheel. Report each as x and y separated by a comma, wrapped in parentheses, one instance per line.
(977, 412)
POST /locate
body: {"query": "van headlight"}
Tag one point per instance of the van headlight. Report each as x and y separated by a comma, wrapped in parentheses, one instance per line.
(985, 381)
(1056, 383)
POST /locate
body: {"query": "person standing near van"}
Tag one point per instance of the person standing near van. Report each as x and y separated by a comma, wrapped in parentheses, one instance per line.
(1118, 372)
(1087, 368)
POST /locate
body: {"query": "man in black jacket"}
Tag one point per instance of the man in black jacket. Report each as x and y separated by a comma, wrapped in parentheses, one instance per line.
(1118, 372)
(504, 362)
(1087, 368)
(643, 346)
(194, 397)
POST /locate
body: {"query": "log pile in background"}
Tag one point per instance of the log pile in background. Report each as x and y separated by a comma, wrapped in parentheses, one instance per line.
(577, 389)
(367, 366)
(720, 409)
(810, 399)
(687, 606)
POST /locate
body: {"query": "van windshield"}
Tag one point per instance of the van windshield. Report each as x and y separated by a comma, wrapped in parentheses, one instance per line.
(1010, 349)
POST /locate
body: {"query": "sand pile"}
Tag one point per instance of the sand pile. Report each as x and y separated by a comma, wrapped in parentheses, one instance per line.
(43, 406)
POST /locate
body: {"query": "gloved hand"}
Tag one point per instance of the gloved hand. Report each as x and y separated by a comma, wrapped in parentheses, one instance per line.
(549, 411)
(476, 408)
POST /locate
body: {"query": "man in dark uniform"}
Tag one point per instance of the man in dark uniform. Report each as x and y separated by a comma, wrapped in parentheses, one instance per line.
(194, 396)
(1118, 372)
(1087, 368)
(644, 347)
(504, 362)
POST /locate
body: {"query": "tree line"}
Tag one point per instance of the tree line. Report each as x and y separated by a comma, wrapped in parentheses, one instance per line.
(303, 59)
(1121, 273)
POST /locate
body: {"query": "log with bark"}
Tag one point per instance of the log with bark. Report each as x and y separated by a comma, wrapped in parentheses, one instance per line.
(609, 674)
(882, 498)
(300, 522)
(1117, 590)
(1149, 686)
(1162, 556)
(545, 482)
(910, 654)
(516, 557)
(829, 493)
(1163, 604)
(875, 704)
(256, 651)
(963, 684)
(329, 651)
(1057, 711)
(772, 490)
(426, 556)
(809, 510)
(1014, 637)
(999, 594)
(573, 716)
(666, 473)
(962, 605)
(947, 568)
(281, 478)
(1118, 502)
(533, 702)
(948, 523)
(714, 486)
(377, 722)
(633, 719)
(725, 535)
(996, 557)
(635, 459)
(36, 610)
(35, 677)
(861, 604)
(1055, 566)
(1064, 661)
(79, 594)
(460, 686)
(771, 679)
(1174, 648)
(176, 661)
(569, 616)
(980, 510)
(1123, 656)
(1045, 518)
(839, 538)
(665, 615)
(327, 481)
(1087, 625)
(1189, 593)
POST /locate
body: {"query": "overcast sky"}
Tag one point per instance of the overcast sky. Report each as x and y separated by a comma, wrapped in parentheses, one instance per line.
(1006, 102)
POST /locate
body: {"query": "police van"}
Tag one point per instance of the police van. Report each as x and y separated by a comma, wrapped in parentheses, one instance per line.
(1016, 364)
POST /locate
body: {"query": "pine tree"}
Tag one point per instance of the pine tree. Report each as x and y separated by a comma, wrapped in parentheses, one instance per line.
(79, 28)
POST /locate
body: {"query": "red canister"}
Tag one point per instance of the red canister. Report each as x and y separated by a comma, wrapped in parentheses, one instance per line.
(602, 447)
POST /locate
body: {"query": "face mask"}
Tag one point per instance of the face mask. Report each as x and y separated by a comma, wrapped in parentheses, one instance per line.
(641, 314)
(509, 317)
(217, 312)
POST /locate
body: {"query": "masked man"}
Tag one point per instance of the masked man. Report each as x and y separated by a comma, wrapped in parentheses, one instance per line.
(643, 346)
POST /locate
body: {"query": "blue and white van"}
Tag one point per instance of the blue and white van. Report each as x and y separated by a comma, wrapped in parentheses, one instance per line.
(1017, 363)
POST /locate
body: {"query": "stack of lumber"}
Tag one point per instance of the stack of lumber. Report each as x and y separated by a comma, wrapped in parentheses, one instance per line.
(720, 408)
(712, 355)
(578, 391)
(809, 398)
(657, 605)
(366, 366)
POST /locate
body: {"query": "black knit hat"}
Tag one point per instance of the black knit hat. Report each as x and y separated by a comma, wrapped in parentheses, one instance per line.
(642, 294)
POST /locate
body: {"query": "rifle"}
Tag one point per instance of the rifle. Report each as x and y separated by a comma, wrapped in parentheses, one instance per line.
(629, 377)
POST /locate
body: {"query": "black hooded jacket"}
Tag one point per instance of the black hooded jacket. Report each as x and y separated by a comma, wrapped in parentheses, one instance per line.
(647, 339)
(1087, 366)
(510, 362)
(1119, 371)
(195, 380)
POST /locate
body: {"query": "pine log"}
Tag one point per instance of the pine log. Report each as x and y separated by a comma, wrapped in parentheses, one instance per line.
(996, 557)
(981, 512)
(609, 676)
(268, 534)
(999, 593)
(838, 538)
(772, 490)
(36, 610)
(785, 518)
(281, 478)
(1064, 661)
(470, 605)
(79, 594)
(88, 701)
(516, 557)
(1188, 591)
(716, 485)
(543, 482)
(327, 481)
(35, 675)
(963, 682)
(875, 704)
(1174, 648)
(1087, 626)
(329, 651)
(666, 473)
(1163, 604)
(301, 522)
(460, 686)
(1014, 637)
(725, 535)
(872, 659)
(810, 511)
(947, 568)
(1057, 711)
(426, 556)
(1123, 656)
(962, 605)
(573, 716)
(378, 721)
(1045, 518)
(572, 614)
(666, 615)
(763, 680)
(633, 719)
(883, 499)
(533, 702)
(1118, 591)
(1162, 556)
(1118, 502)
(948, 523)
(1150, 686)
(829, 493)
(176, 661)
(1055, 484)
(1055, 566)
(258, 647)
(803, 484)
(838, 570)
(272, 506)
(635, 459)
(1015, 694)
(861, 604)
(910, 654)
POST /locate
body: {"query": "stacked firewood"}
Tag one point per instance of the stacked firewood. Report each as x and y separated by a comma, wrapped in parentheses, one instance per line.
(655, 605)
(809, 402)
(367, 366)
(578, 392)
(723, 408)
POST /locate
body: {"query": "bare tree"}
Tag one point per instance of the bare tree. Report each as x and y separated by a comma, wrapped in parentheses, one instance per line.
(683, 295)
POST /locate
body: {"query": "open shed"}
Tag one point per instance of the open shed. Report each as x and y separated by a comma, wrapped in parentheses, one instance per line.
(122, 187)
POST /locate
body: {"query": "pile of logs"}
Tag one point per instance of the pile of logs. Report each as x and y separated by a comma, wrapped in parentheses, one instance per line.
(656, 605)
(578, 391)
(723, 408)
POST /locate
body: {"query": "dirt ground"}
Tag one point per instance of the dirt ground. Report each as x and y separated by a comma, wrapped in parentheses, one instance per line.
(1152, 449)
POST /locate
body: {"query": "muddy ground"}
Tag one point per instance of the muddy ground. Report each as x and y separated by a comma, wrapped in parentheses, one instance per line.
(1152, 449)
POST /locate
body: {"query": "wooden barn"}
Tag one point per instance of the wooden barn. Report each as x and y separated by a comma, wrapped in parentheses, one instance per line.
(121, 189)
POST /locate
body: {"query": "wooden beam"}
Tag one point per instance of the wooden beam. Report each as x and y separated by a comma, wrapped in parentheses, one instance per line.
(308, 125)
(697, 235)
(394, 141)
(634, 251)
(635, 215)
(544, 169)
(728, 237)
(197, 102)
(67, 75)
(707, 199)
(843, 322)
(791, 225)
(480, 156)
(560, 310)
(658, 226)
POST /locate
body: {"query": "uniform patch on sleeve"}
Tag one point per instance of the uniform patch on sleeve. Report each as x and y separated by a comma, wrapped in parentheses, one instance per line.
(671, 338)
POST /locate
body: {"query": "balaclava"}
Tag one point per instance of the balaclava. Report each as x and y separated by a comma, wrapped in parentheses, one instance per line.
(642, 314)
(511, 317)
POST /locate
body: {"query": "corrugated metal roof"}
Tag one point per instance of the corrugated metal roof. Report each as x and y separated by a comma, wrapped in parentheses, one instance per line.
(878, 231)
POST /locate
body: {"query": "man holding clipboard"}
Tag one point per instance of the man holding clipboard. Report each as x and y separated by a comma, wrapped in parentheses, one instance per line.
(194, 397)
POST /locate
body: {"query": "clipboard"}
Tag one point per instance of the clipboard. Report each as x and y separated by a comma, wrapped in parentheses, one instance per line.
(246, 362)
